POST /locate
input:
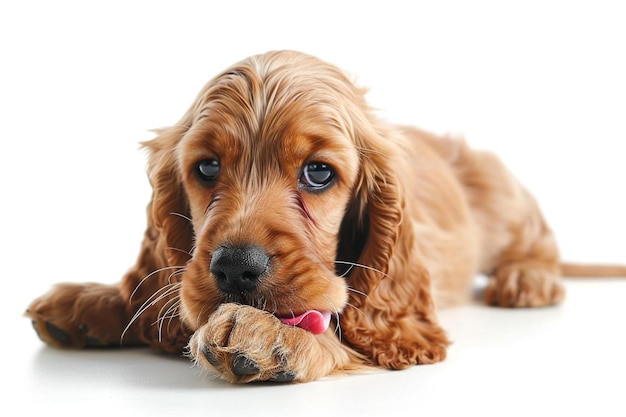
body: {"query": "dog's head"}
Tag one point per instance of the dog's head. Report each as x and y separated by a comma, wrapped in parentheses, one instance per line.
(272, 188)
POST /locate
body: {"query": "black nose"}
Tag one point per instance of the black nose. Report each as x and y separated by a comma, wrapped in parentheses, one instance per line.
(238, 269)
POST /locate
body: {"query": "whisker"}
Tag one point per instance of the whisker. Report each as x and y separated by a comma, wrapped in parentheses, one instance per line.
(350, 289)
(148, 276)
(338, 327)
(172, 312)
(172, 290)
(345, 274)
(175, 302)
(181, 215)
(190, 253)
(358, 292)
(150, 301)
(352, 264)
(157, 296)
(356, 308)
(175, 313)
(181, 271)
(199, 315)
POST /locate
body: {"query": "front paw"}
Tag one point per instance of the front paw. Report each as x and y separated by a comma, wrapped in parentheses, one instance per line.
(78, 316)
(243, 344)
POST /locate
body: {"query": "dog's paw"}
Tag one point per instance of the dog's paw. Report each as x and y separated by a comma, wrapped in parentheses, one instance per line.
(78, 316)
(522, 285)
(243, 344)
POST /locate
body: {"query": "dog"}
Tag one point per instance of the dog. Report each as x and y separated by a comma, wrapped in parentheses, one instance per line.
(292, 235)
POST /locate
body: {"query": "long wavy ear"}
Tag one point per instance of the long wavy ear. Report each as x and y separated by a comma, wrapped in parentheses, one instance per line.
(372, 223)
(168, 211)
(165, 250)
(390, 317)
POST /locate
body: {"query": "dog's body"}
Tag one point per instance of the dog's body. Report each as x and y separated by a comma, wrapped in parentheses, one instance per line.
(279, 193)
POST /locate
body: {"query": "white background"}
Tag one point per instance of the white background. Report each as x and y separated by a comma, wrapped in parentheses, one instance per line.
(541, 83)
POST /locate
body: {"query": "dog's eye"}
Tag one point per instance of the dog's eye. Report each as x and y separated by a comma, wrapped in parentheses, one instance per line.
(208, 169)
(316, 176)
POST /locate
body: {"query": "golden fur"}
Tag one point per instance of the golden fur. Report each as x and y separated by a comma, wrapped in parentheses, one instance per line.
(408, 221)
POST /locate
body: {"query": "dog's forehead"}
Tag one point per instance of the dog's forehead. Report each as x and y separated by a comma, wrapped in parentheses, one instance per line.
(273, 116)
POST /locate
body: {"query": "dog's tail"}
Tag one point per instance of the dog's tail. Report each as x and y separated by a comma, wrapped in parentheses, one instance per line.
(574, 270)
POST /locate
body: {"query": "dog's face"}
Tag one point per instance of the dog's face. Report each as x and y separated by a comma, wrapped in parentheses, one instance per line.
(269, 167)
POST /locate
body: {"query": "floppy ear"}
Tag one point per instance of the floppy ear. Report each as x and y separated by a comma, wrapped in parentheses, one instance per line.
(371, 227)
(165, 250)
(390, 317)
(168, 211)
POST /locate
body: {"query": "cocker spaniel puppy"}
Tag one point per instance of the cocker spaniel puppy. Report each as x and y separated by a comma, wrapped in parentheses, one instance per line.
(292, 234)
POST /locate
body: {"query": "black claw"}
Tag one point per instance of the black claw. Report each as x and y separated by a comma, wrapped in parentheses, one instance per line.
(242, 365)
(90, 341)
(37, 331)
(57, 334)
(285, 376)
(210, 357)
(93, 342)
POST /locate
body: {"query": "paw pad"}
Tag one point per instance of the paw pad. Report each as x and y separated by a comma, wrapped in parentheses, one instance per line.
(210, 357)
(242, 366)
(285, 376)
(57, 334)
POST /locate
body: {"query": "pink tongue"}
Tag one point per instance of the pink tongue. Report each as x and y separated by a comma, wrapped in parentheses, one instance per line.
(314, 321)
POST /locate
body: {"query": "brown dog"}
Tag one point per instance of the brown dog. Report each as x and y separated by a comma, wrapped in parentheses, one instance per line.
(292, 234)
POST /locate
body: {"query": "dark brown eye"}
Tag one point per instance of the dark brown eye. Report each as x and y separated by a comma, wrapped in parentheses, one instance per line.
(208, 170)
(316, 176)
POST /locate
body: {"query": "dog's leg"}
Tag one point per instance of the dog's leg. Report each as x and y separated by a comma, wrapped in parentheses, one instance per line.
(81, 315)
(141, 310)
(518, 250)
(527, 272)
